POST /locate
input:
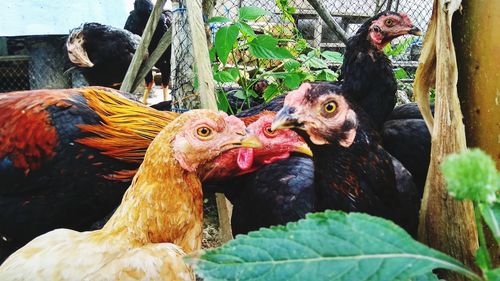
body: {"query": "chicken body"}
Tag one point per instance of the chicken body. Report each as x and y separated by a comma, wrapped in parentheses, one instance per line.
(162, 206)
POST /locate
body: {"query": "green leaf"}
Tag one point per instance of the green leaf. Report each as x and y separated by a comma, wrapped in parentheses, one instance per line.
(251, 13)
(270, 92)
(225, 38)
(316, 63)
(333, 56)
(400, 73)
(219, 19)
(224, 76)
(240, 94)
(426, 277)
(482, 259)
(493, 275)
(222, 102)
(491, 215)
(326, 246)
(327, 75)
(292, 81)
(246, 29)
(291, 65)
(211, 54)
(264, 47)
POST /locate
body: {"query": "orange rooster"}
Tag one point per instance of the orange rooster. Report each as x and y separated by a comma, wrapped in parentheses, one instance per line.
(162, 206)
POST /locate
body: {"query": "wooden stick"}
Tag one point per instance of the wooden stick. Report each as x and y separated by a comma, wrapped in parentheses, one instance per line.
(140, 53)
(163, 44)
(207, 96)
(328, 19)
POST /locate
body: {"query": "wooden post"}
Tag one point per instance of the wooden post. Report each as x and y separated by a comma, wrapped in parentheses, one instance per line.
(445, 224)
(206, 89)
(140, 53)
(478, 84)
(328, 19)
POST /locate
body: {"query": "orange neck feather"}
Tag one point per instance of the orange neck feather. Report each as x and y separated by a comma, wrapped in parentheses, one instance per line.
(163, 204)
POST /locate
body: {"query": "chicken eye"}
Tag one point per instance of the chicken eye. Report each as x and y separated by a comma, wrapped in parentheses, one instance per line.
(330, 107)
(203, 132)
(389, 22)
(268, 132)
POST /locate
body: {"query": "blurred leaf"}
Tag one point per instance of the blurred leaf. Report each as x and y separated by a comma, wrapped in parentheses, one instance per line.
(211, 53)
(292, 81)
(264, 47)
(493, 275)
(472, 175)
(400, 73)
(251, 13)
(291, 65)
(491, 215)
(219, 19)
(246, 29)
(224, 76)
(240, 94)
(271, 91)
(333, 56)
(326, 246)
(222, 102)
(482, 258)
(316, 63)
(224, 41)
(327, 75)
(426, 277)
(252, 93)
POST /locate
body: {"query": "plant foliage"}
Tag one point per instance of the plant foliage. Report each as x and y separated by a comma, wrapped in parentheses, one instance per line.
(326, 246)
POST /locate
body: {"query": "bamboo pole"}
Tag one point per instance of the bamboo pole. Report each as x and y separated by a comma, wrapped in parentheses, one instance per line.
(207, 95)
(478, 84)
(445, 224)
(328, 19)
(163, 44)
(141, 52)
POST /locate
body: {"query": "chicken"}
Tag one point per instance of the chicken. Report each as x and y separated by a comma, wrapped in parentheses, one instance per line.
(159, 217)
(352, 170)
(136, 22)
(367, 77)
(67, 157)
(102, 53)
(366, 72)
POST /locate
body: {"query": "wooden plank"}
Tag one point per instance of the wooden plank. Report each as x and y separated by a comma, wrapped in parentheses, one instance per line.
(328, 19)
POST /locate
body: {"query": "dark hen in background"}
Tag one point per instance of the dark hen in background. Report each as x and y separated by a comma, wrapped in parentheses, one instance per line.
(102, 53)
(353, 172)
(368, 79)
(136, 22)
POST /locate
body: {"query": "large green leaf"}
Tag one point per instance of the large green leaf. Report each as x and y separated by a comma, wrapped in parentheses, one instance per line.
(225, 76)
(333, 56)
(251, 13)
(245, 29)
(491, 215)
(222, 102)
(264, 47)
(292, 81)
(225, 38)
(270, 92)
(326, 246)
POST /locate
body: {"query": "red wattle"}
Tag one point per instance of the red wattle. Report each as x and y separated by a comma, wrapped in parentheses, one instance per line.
(245, 158)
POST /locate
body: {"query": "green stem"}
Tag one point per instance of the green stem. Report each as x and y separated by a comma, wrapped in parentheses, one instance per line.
(481, 236)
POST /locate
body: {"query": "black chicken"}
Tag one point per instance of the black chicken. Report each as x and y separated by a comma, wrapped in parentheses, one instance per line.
(136, 22)
(366, 72)
(352, 170)
(102, 53)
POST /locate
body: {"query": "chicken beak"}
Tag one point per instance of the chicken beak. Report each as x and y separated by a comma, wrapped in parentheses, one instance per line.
(304, 149)
(251, 142)
(415, 31)
(79, 56)
(285, 119)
